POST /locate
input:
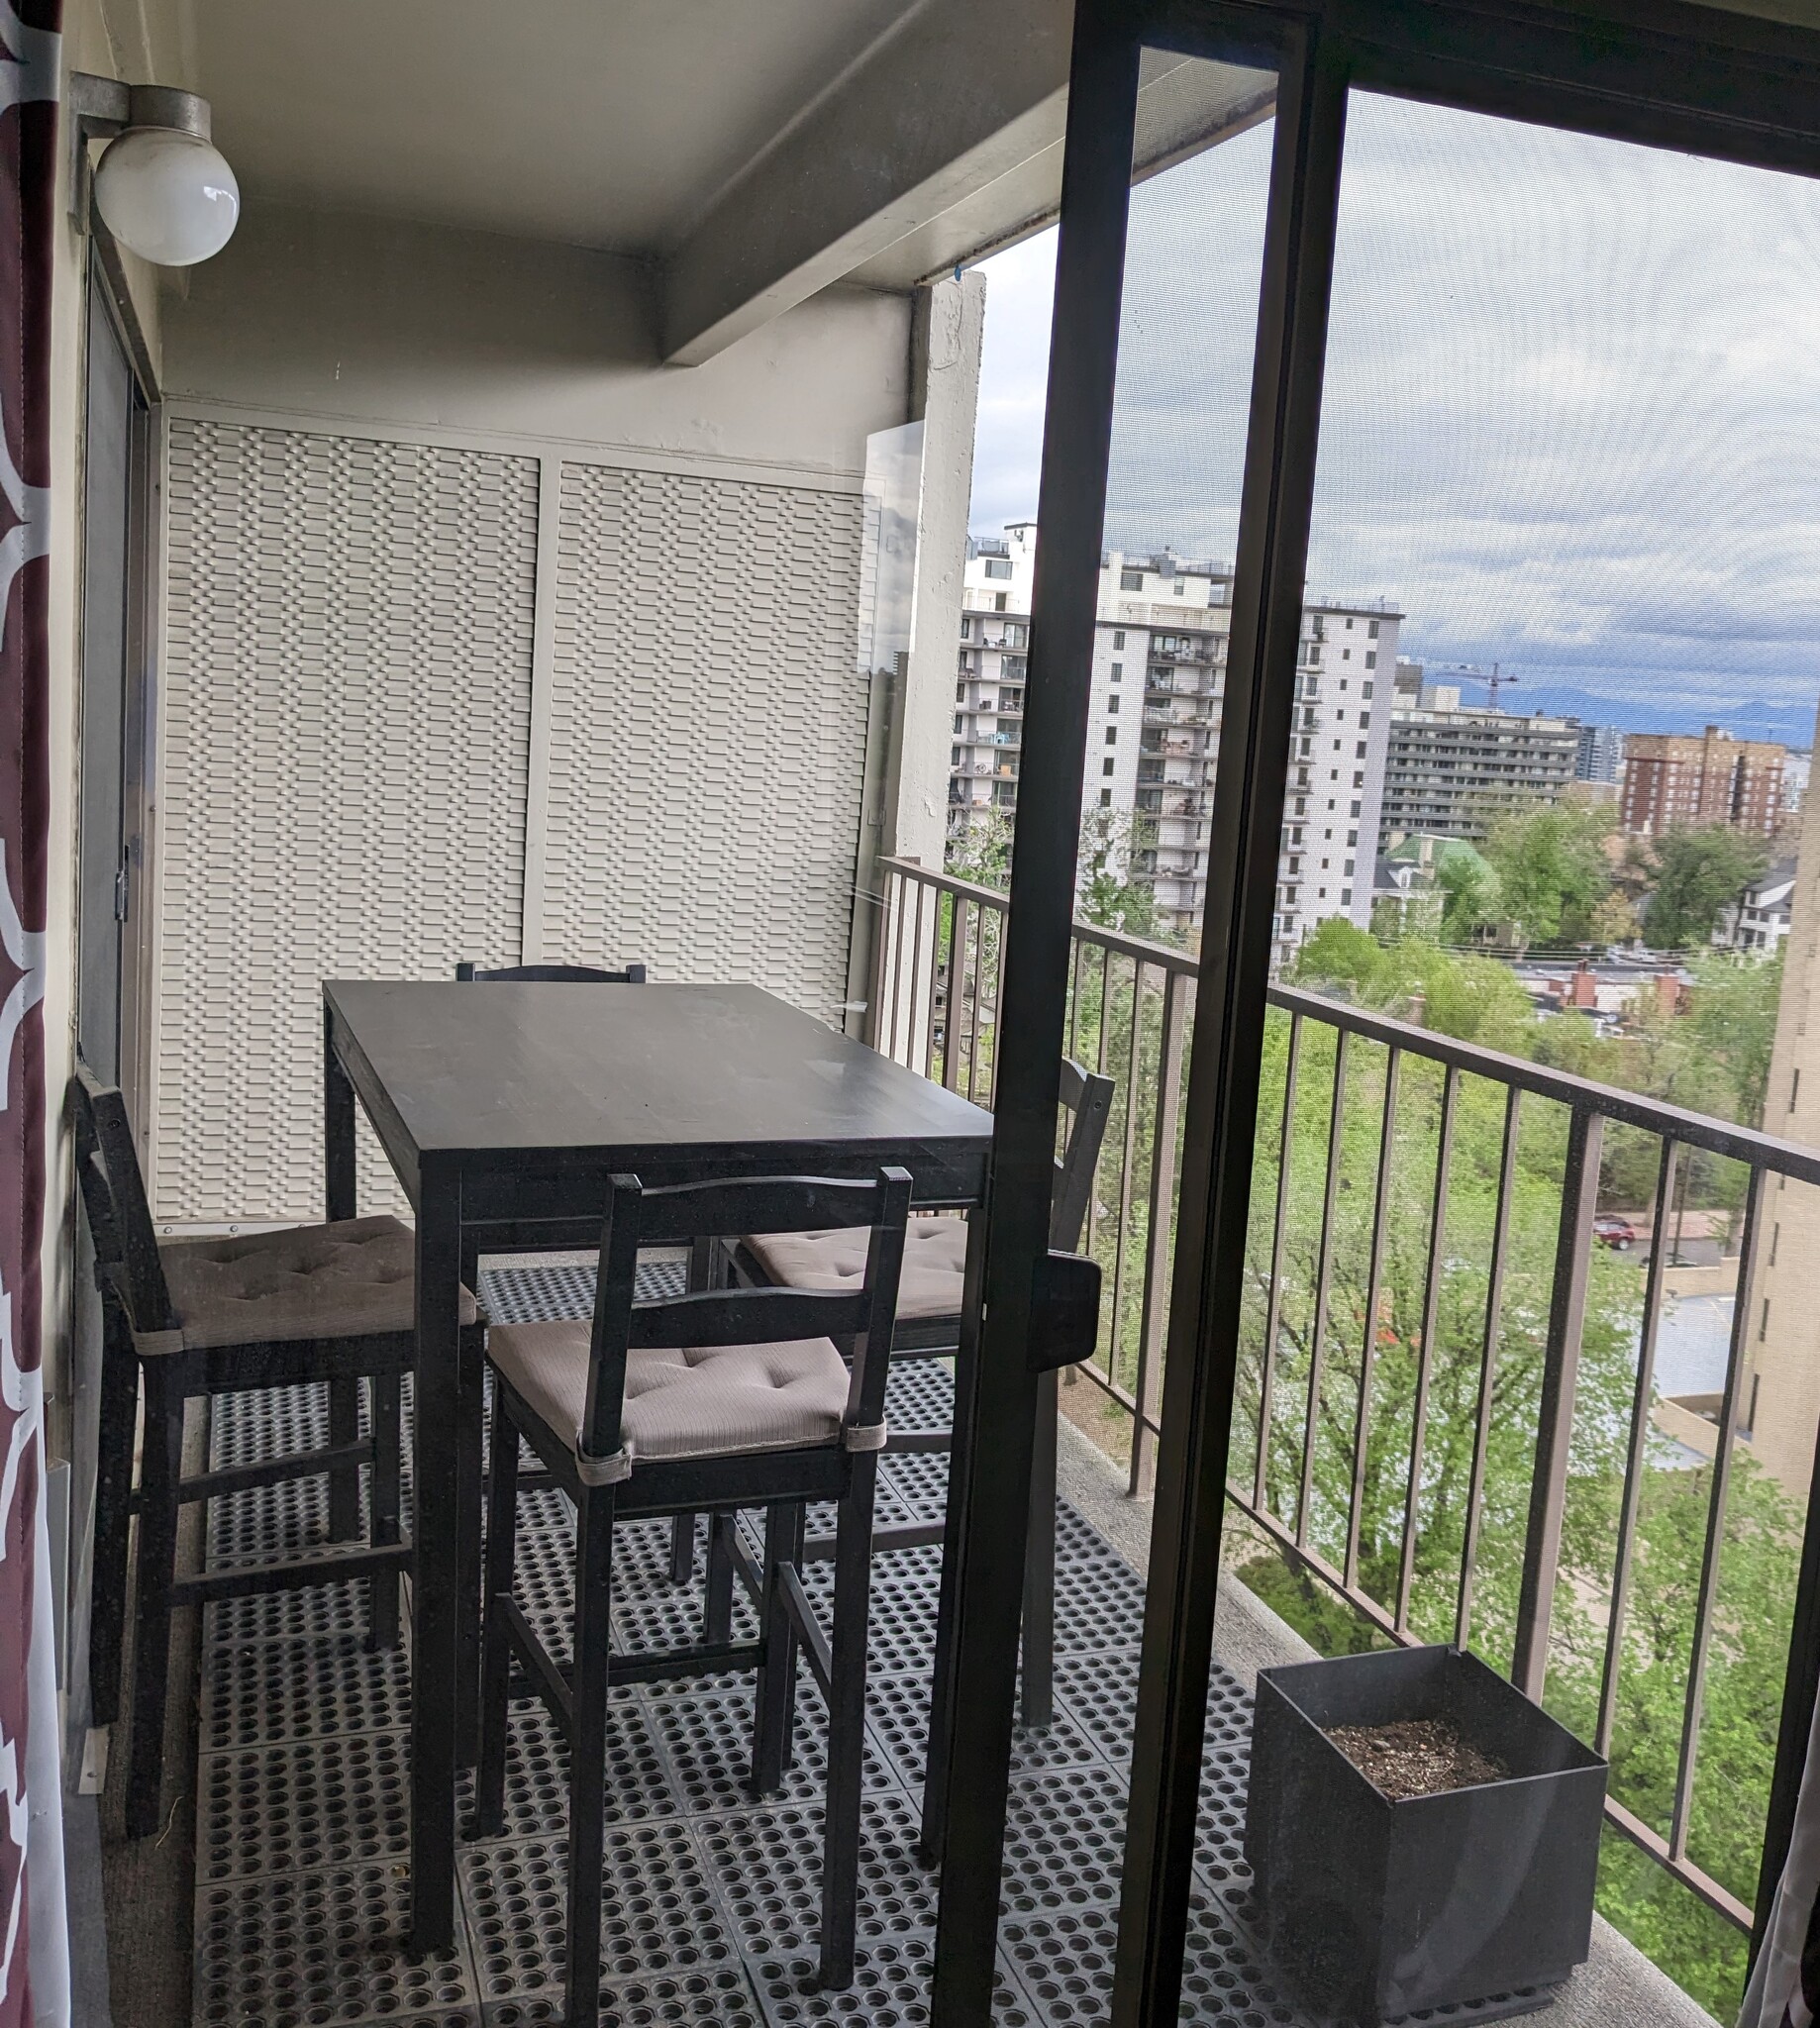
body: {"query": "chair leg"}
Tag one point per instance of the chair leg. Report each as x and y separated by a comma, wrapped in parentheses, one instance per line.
(495, 1712)
(387, 1495)
(107, 1623)
(156, 1562)
(1038, 1693)
(773, 1719)
(588, 1748)
(345, 1479)
(681, 1548)
(717, 1593)
(853, 1585)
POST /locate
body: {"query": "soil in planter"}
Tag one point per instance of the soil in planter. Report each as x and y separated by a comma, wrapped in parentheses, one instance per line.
(1416, 1756)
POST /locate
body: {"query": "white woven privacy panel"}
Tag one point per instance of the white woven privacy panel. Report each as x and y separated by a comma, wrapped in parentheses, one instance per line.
(707, 730)
(346, 732)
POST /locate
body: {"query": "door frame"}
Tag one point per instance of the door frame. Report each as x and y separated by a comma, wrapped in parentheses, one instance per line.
(1660, 72)
(105, 284)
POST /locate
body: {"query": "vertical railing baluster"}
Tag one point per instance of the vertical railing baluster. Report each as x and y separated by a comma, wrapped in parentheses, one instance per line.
(897, 964)
(1547, 1490)
(1425, 1354)
(956, 979)
(1101, 1056)
(1148, 1388)
(1127, 1156)
(1323, 1279)
(1666, 1178)
(1488, 1369)
(1375, 1277)
(972, 1000)
(881, 917)
(999, 997)
(1715, 1519)
(928, 966)
(1272, 1314)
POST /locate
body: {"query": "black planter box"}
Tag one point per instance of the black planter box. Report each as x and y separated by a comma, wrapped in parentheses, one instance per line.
(1373, 1908)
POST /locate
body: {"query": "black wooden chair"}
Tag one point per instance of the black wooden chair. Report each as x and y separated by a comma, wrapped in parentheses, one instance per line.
(186, 1318)
(760, 1410)
(553, 974)
(929, 1306)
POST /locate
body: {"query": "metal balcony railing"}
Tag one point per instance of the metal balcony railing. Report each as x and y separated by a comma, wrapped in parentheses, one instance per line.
(1307, 1381)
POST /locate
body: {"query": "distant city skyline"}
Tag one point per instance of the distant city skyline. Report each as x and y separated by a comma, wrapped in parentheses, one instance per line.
(1573, 407)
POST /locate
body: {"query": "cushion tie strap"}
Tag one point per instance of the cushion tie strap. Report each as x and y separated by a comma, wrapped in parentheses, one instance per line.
(158, 1343)
(856, 1437)
(602, 1470)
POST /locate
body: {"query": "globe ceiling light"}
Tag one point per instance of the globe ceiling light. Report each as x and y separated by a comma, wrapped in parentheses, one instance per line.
(161, 187)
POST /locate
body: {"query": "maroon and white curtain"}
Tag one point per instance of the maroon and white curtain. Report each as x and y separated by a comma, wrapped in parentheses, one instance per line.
(34, 1937)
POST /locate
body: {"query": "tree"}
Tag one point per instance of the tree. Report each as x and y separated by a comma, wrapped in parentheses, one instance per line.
(1694, 874)
(981, 852)
(1108, 895)
(1551, 868)
(1471, 893)
(1733, 1019)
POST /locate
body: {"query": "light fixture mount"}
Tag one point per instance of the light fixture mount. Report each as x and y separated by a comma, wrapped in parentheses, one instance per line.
(161, 188)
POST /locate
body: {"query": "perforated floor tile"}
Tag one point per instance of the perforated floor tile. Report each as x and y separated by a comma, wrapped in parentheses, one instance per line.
(301, 1689)
(891, 1988)
(537, 1770)
(707, 1739)
(659, 1911)
(769, 1867)
(311, 1949)
(723, 1996)
(303, 1804)
(898, 1706)
(1065, 1836)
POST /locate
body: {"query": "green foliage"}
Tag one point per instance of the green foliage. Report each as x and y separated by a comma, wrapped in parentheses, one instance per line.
(1472, 894)
(1714, 1055)
(1551, 869)
(1694, 874)
(1108, 894)
(982, 852)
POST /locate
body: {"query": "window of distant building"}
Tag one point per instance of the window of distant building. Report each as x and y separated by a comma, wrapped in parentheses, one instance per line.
(998, 567)
(966, 629)
(1105, 799)
(960, 723)
(1373, 629)
(1118, 671)
(1112, 735)
(1131, 580)
(998, 602)
(1117, 637)
(1180, 587)
(1109, 765)
(1371, 661)
(1112, 703)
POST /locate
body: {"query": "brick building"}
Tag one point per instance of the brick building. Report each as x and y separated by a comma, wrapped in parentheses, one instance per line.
(1676, 779)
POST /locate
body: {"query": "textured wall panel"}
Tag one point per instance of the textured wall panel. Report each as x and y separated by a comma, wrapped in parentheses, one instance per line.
(345, 728)
(707, 730)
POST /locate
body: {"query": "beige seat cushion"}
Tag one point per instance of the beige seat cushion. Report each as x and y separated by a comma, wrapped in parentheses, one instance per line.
(933, 1273)
(693, 1401)
(355, 1279)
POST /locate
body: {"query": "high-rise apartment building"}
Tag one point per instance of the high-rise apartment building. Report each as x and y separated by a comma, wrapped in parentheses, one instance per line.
(1678, 779)
(1153, 736)
(1451, 768)
(1601, 753)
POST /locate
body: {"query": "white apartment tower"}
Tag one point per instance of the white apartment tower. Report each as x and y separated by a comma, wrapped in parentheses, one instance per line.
(1154, 734)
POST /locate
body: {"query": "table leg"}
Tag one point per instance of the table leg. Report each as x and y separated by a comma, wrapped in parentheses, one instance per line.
(435, 1590)
(339, 1194)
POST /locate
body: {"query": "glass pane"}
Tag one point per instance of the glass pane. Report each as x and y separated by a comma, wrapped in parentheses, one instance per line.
(1158, 676)
(1512, 1357)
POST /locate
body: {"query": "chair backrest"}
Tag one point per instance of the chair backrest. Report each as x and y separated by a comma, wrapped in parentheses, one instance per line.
(1086, 1097)
(553, 974)
(685, 1212)
(113, 1196)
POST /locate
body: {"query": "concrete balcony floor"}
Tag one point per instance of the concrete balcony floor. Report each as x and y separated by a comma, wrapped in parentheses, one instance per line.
(300, 1800)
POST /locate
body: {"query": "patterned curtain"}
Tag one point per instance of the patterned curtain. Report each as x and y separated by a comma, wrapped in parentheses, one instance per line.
(34, 1937)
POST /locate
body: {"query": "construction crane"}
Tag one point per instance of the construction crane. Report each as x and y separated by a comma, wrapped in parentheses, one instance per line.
(1494, 678)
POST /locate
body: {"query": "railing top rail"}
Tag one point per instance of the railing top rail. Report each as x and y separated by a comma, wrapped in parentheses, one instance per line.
(1629, 1108)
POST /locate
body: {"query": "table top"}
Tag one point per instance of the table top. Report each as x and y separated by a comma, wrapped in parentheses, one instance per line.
(501, 1073)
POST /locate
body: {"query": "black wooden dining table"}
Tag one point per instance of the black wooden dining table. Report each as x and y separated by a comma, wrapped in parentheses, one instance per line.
(504, 1109)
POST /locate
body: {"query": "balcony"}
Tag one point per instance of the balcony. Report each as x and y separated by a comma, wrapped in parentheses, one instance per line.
(1474, 1250)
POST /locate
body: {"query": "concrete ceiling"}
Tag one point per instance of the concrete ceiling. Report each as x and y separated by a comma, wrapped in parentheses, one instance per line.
(598, 122)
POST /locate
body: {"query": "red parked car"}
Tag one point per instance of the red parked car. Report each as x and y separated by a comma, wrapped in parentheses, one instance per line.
(1612, 1231)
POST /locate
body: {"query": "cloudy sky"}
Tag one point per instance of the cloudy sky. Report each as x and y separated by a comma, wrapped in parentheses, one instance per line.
(1571, 412)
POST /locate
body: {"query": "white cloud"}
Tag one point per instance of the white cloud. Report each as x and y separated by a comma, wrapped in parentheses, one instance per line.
(1571, 408)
